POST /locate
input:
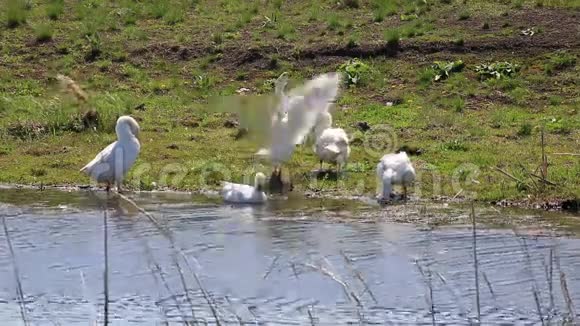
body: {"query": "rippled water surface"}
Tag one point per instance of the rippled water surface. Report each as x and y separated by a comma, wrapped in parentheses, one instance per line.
(292, 262)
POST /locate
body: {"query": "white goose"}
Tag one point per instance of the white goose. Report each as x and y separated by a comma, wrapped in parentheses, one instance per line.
(264, 118)
(395, 169)
(112, 163)
(331, 143)
(303, 107)
(245, 194)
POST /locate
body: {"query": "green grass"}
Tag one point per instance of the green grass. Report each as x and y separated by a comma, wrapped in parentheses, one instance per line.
(392, 36)
(167, 58)
(15, 13)
(55, 9)
(559, 61)
(43, 32)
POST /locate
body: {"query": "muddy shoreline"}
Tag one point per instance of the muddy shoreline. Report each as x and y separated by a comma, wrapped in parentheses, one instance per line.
(567, 205)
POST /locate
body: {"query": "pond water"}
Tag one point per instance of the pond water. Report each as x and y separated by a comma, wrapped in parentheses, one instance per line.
(291, 262)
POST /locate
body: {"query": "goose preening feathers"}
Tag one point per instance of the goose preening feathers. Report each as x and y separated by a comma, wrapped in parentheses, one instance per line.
(245, 194)
(395, 169)
(331, 143)
(112, 163)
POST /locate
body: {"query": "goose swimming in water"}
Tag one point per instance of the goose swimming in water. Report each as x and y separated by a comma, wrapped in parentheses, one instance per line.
(395, 169)
(245, 194)
(112, 164)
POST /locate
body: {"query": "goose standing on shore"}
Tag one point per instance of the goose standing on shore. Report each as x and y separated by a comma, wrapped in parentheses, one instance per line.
(112, 164)
(395, 169)
(245, 194)
(331, 143)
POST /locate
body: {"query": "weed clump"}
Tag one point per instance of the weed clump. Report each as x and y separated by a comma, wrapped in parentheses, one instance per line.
(393, 37)
(525, 130)
(442, 70)
(382, 8)
(465, 15)
(456, 145)
(15, 14)
(54, 9)
(356, 72)
(559, 61)
(43, 32)
(496, 70)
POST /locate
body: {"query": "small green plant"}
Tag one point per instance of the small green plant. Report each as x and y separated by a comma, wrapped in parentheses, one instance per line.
(519, 95)
(559, 61)
(426, 76)
(174, 16)
(277, 4)
(43, 32)
(378, 16)
(54, 9)
(285, 31)
(334, 22)
(525, 130)
(496, 70)
(442, 70)
(464, 15)
(245, 18)
(352, 42)
(456, 145)
(15, 14)
(558, 125)
(94, 47)
(158, 9)
(217, 38)
(355, 71)
(383, 8)
(37, 172)
(458, 104)
(204, 82)
(518, 4)
(393, 37)
(127, 15)
(555, 100)
(408, 17)
(313, 13)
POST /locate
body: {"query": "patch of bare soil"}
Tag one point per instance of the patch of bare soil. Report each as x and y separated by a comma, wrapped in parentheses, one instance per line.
(553, 30)
(567, 205)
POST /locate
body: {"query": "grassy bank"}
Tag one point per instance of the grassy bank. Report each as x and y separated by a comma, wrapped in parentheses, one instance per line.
(160, 61)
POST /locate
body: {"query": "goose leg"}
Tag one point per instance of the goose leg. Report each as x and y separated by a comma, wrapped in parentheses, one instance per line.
(108, 187)
(320, 166)
(404, 191)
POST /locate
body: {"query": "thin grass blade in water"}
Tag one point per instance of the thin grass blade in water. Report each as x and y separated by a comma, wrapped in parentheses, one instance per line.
(19, 291)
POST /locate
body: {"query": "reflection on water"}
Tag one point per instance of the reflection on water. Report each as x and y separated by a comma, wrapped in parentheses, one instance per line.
(330, 263)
